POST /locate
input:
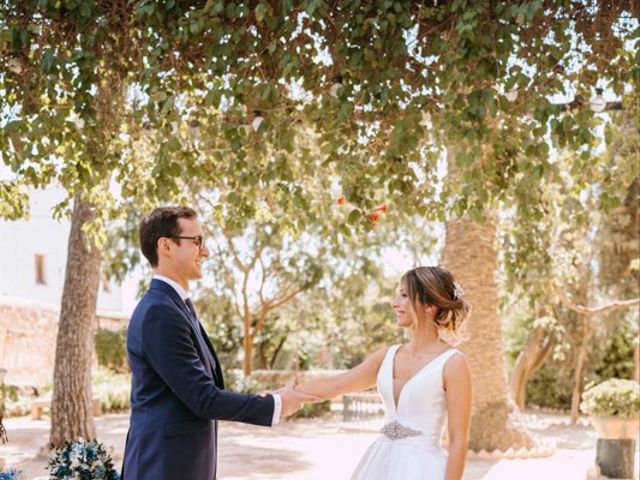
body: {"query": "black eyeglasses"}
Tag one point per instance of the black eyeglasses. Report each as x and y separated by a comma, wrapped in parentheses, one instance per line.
(198, 240)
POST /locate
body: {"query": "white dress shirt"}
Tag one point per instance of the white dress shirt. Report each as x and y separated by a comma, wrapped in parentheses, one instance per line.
(277, 401)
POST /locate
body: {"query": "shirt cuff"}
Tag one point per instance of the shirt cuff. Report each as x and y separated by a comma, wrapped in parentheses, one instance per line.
(277, 408)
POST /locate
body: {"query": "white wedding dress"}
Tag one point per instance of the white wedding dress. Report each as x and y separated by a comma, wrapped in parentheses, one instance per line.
(409, 447)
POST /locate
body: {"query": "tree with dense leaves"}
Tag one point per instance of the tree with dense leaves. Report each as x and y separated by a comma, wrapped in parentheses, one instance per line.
(590, 221)
(385, 86)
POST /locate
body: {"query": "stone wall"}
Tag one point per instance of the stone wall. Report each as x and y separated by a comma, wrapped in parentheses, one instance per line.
(28, 341)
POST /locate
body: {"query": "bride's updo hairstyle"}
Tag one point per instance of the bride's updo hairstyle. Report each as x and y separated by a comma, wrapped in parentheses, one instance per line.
(427, 286)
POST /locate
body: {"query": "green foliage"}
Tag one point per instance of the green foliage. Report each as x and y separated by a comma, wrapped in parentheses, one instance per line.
(111, 349)
(17, 402)
(611, 355)
(19, 407)
(616, 360)
(314, 410)
(613, 398)
(159, 97)
(256, 384)
(236, 381)
(220, 321)
(13, 201)
(588, 209)
(357, 316)
(549, 388)
(112, 389)
(581, 238)
(97, 86)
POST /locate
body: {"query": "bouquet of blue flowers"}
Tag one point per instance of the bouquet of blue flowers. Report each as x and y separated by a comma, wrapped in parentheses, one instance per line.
(84, 460)
(11, 474)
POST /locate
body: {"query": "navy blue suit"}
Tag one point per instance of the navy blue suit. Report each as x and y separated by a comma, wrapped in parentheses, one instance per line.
(177, 393)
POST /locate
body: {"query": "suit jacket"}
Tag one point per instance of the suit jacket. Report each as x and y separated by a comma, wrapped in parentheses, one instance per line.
(177, 393)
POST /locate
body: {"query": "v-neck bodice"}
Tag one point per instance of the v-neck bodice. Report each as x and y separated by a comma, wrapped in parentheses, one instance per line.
(422, 400)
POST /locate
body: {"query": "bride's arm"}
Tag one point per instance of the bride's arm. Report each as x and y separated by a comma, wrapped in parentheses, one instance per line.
(457, 383)
(361, 377)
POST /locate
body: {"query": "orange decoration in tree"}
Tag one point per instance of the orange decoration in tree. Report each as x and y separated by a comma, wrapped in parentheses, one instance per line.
(382, 208)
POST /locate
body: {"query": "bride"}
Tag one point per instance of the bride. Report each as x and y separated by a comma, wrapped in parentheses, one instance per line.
(422, 383)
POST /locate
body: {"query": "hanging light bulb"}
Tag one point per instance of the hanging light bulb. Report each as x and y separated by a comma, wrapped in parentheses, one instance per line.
(194, 131)
(257, 120)
(337, 85)
(512, 95)
(426, 119)
(597, 102)
(15, 65)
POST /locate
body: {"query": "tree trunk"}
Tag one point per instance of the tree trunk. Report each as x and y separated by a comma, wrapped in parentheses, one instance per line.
(263, 362)
(470, 254)
(581, 356)
(539, 345)
(274, 357)
(247, 342)
(583, 333)
(71, 406)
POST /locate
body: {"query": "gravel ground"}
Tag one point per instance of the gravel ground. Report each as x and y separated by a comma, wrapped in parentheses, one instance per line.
(313, 449)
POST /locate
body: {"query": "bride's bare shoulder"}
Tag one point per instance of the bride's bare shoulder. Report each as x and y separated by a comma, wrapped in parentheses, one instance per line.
(456, 365)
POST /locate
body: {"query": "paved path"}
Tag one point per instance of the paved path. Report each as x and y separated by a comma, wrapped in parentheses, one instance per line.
(313, 449)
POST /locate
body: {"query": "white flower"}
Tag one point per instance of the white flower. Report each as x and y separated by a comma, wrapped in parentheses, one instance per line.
(458, 291)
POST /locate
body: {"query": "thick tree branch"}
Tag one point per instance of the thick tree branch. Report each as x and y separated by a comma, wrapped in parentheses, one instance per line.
(610, 307)
(236, 258)
(262, 282)
(284, 298)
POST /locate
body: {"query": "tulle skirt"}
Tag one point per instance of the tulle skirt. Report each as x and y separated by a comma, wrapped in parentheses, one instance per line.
(401, 460)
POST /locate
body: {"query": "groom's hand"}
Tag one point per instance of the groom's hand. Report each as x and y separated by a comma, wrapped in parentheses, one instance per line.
(292, 400)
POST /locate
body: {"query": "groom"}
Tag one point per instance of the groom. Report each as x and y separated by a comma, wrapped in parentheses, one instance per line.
(177, 391)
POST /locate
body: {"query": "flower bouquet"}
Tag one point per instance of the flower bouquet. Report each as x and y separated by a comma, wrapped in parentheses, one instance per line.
(11, 474)
(82, 460)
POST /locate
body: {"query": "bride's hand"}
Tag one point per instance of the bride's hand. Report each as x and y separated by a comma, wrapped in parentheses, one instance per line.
(290, 387)
(309, 398)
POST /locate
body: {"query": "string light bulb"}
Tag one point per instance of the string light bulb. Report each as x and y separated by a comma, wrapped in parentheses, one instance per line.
(597, 102)
(15, 65)
(337, 85)
(425, 121)
(257, 120)
(512, 95)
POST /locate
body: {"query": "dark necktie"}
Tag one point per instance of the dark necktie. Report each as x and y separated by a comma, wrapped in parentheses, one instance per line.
(192, 311)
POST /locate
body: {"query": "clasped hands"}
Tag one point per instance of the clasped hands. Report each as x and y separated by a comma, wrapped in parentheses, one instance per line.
(293, 400)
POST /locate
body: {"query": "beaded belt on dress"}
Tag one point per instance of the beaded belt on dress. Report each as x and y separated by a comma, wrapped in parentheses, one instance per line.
(396, 431)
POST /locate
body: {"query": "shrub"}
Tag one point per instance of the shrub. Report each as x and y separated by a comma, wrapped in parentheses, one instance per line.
(612, 398)
(19, 407)
(113, 389)
(548, 388)
(616, 358)
(17, 400)
(111, 349)
(313, 410)
(264, 380)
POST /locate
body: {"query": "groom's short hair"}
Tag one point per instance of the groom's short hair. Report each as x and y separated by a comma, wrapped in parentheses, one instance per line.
(162, 222)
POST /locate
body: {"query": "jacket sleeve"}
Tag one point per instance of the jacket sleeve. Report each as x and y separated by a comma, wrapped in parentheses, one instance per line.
(168, 345)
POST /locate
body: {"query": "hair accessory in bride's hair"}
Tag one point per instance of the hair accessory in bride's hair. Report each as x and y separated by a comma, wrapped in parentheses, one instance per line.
(458, 291)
